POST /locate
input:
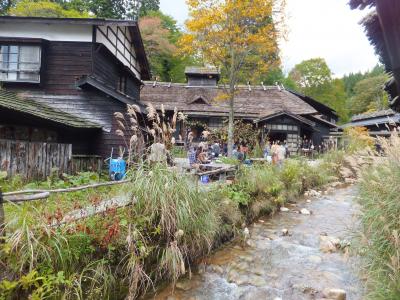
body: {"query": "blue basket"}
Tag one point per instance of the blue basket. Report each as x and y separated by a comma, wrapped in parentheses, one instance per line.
(117, 169)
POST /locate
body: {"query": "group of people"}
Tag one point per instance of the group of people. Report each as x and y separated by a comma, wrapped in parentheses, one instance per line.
(276, 152)
(308, 148)
(204, 152)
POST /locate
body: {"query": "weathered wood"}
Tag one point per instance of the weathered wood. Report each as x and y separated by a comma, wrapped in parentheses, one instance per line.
(93, 210)
(27, 198)
(217, 171)
(67, 190)
(34, 160)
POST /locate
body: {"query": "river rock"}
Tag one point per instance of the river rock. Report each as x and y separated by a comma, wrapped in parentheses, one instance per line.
(184, 285)
(257, 281)
(334, 294)
(346, 173)
(329, 244)
(350, 180)
(315, 259)
(284, 209)
(308, 201)
(305, 211)
(233, 276)
(217, 269)
(285, 232)
(314, 193)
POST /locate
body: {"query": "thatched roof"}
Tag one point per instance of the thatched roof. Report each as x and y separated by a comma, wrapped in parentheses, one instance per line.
(250, 102)
(375, 35)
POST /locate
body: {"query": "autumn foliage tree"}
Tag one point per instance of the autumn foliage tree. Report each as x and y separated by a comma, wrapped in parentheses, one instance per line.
(238, 36)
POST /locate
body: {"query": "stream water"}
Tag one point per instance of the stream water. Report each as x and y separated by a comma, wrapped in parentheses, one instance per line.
(276, 265)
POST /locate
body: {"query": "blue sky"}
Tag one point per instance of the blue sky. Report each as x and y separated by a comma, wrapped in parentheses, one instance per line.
(317, 28)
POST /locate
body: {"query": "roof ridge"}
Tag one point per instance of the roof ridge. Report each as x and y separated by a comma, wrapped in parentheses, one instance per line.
(178, 84)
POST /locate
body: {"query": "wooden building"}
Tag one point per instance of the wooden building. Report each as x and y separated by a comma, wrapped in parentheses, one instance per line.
(378, 123)
(279, 113)
(63, 79)
(382, 26)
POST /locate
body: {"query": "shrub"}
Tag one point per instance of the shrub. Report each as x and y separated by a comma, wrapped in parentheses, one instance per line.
(358, 138)
(380, 200)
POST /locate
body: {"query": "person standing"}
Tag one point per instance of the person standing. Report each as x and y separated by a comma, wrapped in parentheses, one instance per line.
(281, 154)
(274, 153)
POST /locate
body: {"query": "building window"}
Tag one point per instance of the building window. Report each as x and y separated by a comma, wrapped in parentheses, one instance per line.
(20, 63)
(215, 123)
(122, 84)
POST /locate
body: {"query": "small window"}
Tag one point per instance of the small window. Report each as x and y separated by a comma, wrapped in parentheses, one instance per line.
(122, 84)
(20, 63)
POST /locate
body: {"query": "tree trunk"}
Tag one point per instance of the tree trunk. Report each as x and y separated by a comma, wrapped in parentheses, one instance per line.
(232, 81)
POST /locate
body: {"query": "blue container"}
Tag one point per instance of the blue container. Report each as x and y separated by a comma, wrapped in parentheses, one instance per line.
(205, 179)
(117, 169)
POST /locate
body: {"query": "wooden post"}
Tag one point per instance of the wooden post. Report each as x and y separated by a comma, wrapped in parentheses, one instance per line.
(2, 217)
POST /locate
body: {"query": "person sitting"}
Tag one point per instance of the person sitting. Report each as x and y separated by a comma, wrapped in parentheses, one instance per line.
(216, 149)
(192, 156)
(201, 156)
(244, 150)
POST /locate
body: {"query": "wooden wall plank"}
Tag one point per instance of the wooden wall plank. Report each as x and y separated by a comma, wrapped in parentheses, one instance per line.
(34, 160)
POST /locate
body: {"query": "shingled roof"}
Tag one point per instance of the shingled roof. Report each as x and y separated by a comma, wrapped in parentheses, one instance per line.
(375, 114)
(250, 102)
(13, 101)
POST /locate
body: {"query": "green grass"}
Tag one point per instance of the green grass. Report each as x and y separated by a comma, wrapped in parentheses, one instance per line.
(122, 253)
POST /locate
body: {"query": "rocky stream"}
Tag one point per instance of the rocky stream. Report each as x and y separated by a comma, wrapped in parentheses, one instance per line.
(300, 253)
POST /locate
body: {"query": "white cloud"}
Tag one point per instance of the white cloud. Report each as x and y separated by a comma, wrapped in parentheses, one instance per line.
(317, 28)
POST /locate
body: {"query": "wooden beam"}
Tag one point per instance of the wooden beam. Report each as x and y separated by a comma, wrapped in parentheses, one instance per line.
(2, 217)
(92, 210)
(27, 198)
(67, 190)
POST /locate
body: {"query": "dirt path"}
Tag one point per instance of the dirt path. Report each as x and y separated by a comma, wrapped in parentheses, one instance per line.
(278, 266)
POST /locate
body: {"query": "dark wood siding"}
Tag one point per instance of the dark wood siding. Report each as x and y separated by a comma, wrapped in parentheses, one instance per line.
(64, 63)
(107, 69)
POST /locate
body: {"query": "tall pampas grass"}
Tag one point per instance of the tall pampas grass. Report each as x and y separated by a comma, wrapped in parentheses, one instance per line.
(380, 200)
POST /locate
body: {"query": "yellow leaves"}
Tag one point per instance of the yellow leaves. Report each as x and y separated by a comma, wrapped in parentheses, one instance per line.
(218, 27)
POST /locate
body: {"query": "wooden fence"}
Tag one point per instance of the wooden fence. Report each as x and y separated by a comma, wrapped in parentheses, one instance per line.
(34, 160)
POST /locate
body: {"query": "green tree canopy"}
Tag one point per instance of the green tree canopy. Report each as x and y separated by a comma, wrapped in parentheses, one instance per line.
(148, 6)
(45, 9)
(311, 74)
(369, 95)
(313, 78)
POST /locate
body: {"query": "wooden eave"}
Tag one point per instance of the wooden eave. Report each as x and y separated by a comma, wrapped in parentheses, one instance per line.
(140, 52)
(290, 115)
(101, 86)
